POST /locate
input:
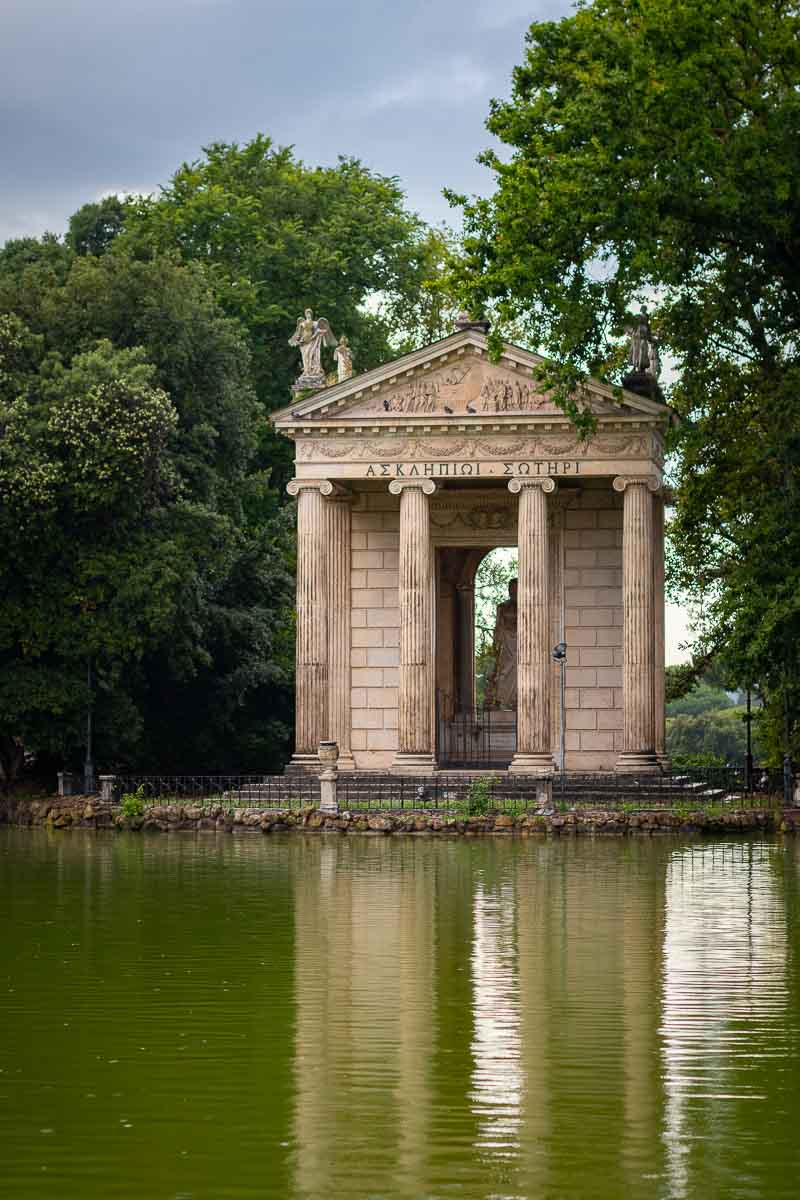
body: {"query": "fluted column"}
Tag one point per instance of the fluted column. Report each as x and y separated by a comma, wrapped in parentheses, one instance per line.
(534, 755)
(339, 567)
(466, 646)
(311, 678)
(415, 699)
(659, 649)
(638, 621)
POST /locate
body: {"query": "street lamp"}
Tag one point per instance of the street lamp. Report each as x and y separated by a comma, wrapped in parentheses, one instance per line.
(88, 766)
(748, 761)
(560, 656)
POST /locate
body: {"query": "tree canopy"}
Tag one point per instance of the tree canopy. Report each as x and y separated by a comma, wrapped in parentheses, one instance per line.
(143, 517)
(137, 533)
(655, 156)
(276, 236)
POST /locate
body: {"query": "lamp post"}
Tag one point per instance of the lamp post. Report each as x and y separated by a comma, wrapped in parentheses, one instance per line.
(787, 753)
(748, 761)
(88, 766)
(560, 656)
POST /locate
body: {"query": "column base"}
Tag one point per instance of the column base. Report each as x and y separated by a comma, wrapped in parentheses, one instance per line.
(664, 761)
(309, 763)
(346, 761)
(636, 763)
(532, 764)
(413, 764)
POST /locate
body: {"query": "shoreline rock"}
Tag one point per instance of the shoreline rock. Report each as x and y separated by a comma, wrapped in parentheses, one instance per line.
(90, 812)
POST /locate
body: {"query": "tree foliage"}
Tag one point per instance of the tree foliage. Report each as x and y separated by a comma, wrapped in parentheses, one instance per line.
(276, 236)
(492, 578)
(144, 514)
(655, 155)
(136, 532)
(94, 227)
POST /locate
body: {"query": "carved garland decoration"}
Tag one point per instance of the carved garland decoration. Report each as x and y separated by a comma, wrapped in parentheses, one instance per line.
(602, 446)
(484, 517)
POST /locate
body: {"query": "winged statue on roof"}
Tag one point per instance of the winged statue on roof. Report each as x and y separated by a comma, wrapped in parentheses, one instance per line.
(310, 336)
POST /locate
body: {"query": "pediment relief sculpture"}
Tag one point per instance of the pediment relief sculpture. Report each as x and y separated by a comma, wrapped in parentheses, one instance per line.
(472, 388)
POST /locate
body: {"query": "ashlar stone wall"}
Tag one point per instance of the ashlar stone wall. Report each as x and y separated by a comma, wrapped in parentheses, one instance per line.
(375, 646)
(593, 618)
(592, 533)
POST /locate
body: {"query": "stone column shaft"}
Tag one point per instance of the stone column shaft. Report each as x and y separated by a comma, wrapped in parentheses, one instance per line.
(659, 649)
(638, 640)
(415, 700)
(311, 686)
(534, 753)
(339, 636)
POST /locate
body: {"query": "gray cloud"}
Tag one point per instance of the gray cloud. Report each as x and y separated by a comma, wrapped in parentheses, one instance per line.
(98, 96)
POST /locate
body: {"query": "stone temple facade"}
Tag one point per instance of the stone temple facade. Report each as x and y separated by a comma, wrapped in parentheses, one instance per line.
(406, 476)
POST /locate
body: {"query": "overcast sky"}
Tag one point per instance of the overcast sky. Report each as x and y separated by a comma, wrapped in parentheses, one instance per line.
(100, 96)
(112, 95)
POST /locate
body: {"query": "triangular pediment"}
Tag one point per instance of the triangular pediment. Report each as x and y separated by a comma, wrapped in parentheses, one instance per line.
(453, 378)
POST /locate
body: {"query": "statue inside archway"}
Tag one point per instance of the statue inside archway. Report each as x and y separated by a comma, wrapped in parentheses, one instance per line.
(501, 690)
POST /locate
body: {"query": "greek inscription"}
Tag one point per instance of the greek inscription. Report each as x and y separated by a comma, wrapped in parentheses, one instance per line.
(399, 470)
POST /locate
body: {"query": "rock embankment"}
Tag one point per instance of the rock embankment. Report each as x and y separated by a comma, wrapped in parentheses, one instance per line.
(89, 812)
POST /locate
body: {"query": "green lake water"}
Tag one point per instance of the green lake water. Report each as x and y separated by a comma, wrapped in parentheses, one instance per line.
(186, 1017)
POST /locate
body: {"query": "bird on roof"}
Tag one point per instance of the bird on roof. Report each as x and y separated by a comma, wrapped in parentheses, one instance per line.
(296, 414)
(386, 405)
(470, 409)
(448, 410)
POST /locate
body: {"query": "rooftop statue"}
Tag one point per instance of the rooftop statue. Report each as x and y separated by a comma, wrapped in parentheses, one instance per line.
(310, 336)
(644, 364)
(343, 357)
(643, 354)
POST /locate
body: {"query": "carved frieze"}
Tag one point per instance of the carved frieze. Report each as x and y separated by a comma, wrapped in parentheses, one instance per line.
(612, 446)
(480, 518)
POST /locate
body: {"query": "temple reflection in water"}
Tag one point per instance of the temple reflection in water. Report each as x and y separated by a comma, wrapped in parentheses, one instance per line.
(526, 998)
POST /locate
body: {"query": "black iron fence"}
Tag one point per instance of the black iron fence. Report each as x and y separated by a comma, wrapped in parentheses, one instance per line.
(476, 740)
(293, 790)
(727, 786)
(464, 793)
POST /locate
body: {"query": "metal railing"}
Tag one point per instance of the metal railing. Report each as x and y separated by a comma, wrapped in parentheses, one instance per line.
(463, 793)
(480, 738)
(293, 790)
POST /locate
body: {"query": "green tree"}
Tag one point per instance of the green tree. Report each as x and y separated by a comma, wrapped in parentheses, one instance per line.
(276, 236)
(94, 227)
(84, 475)
(139, 532)
(655, 154)
(492, 578)
(715, 737)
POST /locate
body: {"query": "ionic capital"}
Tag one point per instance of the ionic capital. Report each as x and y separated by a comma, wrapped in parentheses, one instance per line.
(536, 481)
(652, 482)
(326, 487)
(428, 486)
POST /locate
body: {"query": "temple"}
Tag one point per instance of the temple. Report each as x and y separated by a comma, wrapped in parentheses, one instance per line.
(406, 477)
